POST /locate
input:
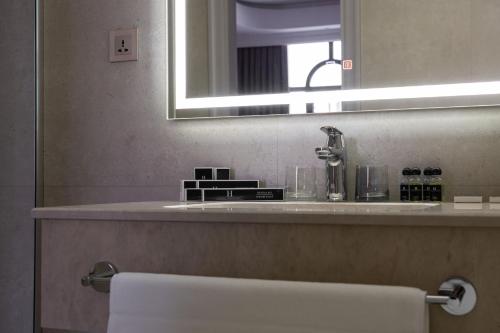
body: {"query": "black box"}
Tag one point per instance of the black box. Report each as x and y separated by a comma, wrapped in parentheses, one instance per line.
(244, 194)
(204, 173)
(185, 184)
(222, 173)
(212, 173)
(189, 184)
(228, 184)
(193, 194)
(199, 184)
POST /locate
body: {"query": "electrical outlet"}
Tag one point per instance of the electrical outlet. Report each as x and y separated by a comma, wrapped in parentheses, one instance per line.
(123, 45)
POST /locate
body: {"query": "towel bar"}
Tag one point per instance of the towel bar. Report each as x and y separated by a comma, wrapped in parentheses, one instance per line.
(457, 296)
(100, 276)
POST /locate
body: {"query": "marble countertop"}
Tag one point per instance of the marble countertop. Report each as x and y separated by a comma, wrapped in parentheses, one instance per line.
(444, 214)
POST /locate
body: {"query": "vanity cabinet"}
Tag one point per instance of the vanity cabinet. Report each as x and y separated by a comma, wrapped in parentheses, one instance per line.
(411, 250)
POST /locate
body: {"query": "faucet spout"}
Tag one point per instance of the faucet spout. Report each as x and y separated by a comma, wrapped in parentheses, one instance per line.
(334, 155)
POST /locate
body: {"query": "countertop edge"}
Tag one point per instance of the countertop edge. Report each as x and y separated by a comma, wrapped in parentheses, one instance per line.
(113, 213)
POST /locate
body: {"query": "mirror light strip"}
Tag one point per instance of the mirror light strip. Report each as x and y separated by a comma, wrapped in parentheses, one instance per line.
(180, 51)
(375, 94)
(372, 94)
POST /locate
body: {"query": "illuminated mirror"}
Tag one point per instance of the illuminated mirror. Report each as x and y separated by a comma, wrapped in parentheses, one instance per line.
(283, 57)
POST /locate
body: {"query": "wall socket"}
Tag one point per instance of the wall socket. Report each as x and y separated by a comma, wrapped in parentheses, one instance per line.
(123, 45)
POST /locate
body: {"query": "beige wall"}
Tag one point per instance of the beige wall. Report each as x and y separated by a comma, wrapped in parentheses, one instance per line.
(429, 41)
(108, 140)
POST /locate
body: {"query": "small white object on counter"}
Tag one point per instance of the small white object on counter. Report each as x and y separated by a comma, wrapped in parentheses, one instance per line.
(468, 199)
(494, 199)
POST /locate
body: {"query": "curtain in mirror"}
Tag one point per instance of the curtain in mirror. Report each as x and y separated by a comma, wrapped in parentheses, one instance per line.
(263, 70)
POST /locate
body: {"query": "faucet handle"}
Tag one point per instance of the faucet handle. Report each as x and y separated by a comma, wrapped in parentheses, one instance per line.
(323, 153)
(335, 141)
(331, 131)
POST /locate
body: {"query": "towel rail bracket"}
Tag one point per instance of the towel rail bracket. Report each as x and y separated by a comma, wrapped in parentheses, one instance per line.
(100, 276)
(457, 296)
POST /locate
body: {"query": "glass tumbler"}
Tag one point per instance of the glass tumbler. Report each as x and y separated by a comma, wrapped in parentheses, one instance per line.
(372, 183)
(300, 183)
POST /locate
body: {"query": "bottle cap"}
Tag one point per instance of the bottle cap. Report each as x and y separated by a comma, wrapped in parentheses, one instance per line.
(416, 171)
(406, 172)
(437, 171)
(428, 171)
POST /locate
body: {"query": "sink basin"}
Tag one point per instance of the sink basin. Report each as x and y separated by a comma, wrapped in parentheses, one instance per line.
(305, 206)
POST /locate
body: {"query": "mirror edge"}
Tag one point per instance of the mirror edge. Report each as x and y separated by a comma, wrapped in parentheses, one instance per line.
(170, 66)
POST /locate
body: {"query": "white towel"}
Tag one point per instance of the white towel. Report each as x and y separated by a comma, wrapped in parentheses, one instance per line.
(155, 303)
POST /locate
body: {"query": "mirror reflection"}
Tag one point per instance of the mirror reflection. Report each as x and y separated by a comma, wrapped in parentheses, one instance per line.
(253, 47)
(267, 46)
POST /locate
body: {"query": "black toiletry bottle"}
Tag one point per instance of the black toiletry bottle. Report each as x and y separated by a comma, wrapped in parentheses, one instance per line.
(427, 181)
(415, 185)
(436, 185)
(404, 187)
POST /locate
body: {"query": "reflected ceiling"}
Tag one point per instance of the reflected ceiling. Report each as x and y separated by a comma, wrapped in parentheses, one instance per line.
(274, 3)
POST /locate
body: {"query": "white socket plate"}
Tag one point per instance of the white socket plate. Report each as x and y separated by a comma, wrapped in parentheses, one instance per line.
(123, 45)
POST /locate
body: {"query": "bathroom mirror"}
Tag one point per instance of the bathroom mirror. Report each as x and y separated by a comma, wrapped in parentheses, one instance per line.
(268, 57)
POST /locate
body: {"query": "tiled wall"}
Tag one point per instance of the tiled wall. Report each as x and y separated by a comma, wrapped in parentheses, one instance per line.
(108, 140)
(17, 191)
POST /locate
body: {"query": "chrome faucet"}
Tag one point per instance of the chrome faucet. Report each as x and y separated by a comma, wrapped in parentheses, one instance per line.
(334, 153)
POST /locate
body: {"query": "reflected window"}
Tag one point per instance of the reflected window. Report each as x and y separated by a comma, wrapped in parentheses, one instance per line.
(320, 63)
(303, 58)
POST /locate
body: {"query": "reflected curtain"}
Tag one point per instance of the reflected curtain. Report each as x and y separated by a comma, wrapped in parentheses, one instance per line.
(263, 70)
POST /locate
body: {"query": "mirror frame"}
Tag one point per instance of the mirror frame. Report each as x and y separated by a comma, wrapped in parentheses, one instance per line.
(177, 81)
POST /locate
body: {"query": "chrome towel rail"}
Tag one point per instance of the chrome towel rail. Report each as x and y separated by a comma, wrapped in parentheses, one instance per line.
(100, 276)
(457, 296)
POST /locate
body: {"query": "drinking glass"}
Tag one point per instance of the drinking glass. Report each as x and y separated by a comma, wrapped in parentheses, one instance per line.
(372, 183)
(301, 183)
